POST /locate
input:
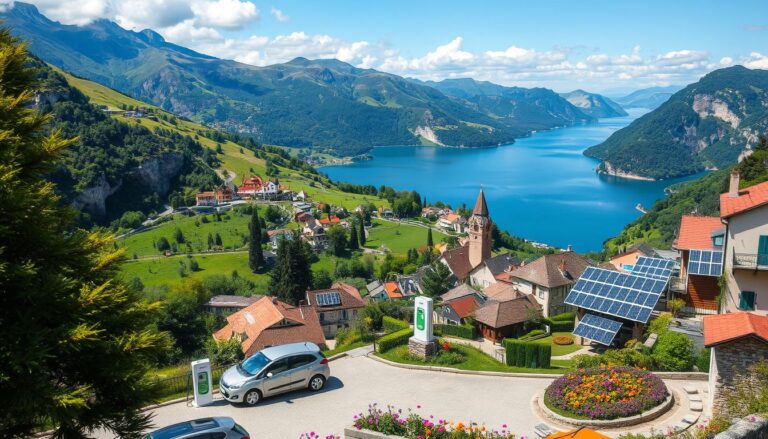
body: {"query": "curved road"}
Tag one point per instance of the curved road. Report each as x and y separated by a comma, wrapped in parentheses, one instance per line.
(358, 381)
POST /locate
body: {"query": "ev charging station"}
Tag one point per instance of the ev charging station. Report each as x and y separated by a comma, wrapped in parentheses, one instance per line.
(202, 382)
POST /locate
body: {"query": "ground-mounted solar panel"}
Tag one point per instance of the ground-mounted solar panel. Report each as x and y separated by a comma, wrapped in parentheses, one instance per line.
(656, 268)
(705, 262)
(626, 295)
(328, 299)
(597, 328)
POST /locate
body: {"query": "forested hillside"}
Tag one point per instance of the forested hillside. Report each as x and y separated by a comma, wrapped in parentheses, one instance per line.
(708, 124)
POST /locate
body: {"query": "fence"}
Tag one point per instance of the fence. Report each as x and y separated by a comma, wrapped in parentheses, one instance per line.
(181, 385)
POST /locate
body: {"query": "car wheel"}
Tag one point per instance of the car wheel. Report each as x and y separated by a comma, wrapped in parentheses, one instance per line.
(316, 383)
(252, 398)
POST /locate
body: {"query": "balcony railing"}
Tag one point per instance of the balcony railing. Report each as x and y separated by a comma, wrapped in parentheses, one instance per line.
(752, 261)
(677, 284)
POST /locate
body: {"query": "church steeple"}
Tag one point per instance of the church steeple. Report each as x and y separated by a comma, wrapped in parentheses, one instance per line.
(479, 232)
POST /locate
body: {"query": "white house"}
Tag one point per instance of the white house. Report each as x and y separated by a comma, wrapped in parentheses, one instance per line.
(452, 222)
(485, 274)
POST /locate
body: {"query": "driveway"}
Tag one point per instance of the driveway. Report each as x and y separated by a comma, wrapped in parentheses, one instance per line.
(358, 381)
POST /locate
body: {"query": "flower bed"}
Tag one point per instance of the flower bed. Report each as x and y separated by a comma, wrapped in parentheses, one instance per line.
(411, 425)
(605, 393)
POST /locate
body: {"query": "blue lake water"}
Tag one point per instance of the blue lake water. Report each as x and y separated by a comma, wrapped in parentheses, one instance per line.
(541, 187)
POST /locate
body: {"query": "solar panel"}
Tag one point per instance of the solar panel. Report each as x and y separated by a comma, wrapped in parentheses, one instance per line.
(656, 268)
(328, 299)
(626, 295)
(705, 262)
(596, 328)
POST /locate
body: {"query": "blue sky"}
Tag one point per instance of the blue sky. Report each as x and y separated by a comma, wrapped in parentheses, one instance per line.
(564, 45)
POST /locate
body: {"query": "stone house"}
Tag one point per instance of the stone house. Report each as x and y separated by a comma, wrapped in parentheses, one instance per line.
(337, 307)
(485, 274)
(738, 341)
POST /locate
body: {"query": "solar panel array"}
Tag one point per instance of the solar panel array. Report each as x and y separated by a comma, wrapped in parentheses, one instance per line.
(656, 268)
(625, 295)
(705, 262)
(596, 328)
(328, 299)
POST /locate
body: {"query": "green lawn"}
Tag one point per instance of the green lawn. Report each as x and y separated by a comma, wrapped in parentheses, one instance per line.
(474, 359)
(398, 238)
(558, 350)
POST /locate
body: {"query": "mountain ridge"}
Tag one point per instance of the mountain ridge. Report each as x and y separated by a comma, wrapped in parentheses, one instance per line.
(594, 104)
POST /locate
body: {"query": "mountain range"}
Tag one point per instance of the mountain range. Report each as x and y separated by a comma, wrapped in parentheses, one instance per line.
(326, 104)
(709, 124)
(594, 104)
(650, 98)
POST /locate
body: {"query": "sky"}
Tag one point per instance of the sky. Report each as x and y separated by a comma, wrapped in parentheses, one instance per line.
(564, 45)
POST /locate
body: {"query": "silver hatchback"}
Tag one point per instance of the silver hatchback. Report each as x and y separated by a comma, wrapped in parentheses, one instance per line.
(275, 370)
(220, 427)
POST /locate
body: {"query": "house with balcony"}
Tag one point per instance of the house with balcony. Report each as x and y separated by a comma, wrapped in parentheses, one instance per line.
(452, 222)
(700, 243)
(744, 212)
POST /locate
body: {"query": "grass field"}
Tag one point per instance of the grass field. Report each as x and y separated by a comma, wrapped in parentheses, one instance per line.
(558, 350)
(398, 238)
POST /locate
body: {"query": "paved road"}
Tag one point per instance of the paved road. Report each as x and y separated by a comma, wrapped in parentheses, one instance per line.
(359, 381)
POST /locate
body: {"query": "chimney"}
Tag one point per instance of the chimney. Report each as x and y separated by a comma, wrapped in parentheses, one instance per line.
(733, 189)
(562, 265)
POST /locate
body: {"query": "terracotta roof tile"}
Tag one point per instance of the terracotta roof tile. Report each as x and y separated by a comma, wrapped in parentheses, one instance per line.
(349, 295)
(498, 314)
(464, 306)
(696, 232)
(748, 198)
(723, 328)
(393, 290)
(545, 271)
(458, 261)
(500, 289)
(460, 290)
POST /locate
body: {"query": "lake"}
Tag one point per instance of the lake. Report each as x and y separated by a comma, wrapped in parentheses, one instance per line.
(540, 188)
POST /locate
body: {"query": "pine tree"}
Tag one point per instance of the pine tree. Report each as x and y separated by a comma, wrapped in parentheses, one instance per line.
(430, 243)
(361, 235)
(255, 252)
(291, 276)
(217, 240)
(76, 342)
(210, 241)
(353, 245)
(436, 279)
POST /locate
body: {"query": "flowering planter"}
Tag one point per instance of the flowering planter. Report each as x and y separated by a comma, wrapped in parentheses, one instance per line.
(646, 416)
(353, 433)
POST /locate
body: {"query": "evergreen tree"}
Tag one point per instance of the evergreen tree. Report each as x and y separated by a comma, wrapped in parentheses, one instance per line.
(436, 279)
(178, 236)
(291, 276)
(163, 244)
(361, 235)
(76, 342)
(337, 240)
(255, 252)
(217, 240)
(353, 245)
(430, 243)
(210, 241)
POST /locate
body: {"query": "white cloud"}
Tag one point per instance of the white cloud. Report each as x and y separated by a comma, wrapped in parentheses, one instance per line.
(5, 5)
(279, 15)
(757, 61)
(74, 12)
(141, 14)
(228, 14)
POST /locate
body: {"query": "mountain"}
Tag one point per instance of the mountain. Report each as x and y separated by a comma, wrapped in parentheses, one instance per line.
(593, 104)
(326, 104)
(531, 109)
(708, 124)
(649, 98)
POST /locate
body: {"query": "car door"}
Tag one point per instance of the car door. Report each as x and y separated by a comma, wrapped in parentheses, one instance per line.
(280, 379)
(301, 370)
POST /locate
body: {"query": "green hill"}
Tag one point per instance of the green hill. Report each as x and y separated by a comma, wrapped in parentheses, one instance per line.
(594, 104)
(708, 124)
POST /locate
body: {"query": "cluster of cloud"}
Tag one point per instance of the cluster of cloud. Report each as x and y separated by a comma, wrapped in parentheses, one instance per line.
(206, 25)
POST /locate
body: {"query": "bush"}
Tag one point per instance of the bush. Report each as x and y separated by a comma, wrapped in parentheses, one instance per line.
(545, 355)
(673, 352)
(659, 325)
(530, 355)
(702, 360)
(585, 361)
(564, 317)
(391, 324)
(626, 357)
(398, 338)
(534, 333)
(461, 331)
(562, 340)
(448, 358)
(561, 323)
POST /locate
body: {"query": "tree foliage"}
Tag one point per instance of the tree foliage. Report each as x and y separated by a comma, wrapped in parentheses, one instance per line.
(255, 252)
(291, 276)
(76, 342)
(437, 279)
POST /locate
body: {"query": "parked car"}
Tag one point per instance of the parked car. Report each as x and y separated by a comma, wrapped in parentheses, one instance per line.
(275, 370)
(205, 428)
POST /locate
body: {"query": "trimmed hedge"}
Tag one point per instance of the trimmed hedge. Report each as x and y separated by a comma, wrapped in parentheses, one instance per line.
(561, 323)
(394, 339)
(529, 355)
(391, 324)
(461, 331)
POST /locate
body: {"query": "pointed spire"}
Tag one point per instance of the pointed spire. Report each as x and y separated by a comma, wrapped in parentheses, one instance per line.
(481, 207)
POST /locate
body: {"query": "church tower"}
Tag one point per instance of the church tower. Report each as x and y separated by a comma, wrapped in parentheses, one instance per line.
(479, 232)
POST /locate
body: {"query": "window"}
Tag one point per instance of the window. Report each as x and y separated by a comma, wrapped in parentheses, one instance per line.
(301, 360)
(277, 367)
(747, 300)
(717, 241)
(762, 250)
(343, 314)
(209, 436)
(322, 316)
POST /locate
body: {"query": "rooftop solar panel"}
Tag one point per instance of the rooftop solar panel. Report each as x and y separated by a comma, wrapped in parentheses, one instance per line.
(656, 268)
(328, 299)
(626, 295)
(705, 262)
(596, 328)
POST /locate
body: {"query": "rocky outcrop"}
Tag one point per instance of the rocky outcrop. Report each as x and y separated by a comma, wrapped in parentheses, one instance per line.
(427, 133)
(707, 105)
(157, 173)
(608, 169)
(94, 198)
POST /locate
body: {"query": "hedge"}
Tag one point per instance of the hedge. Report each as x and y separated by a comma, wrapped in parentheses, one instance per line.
(561, 323)
(394, 339)
(529, 355)
(391, 324)
(461, 331)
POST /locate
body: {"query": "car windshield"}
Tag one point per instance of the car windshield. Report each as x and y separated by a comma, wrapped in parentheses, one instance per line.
(254, 364)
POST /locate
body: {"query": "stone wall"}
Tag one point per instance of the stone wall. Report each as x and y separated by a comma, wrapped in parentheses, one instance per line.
(751, 427)
(732, 370)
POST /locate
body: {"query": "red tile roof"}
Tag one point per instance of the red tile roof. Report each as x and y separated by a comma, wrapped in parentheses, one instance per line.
(552, 271)
(723, 328)
(458, 261)
(349, 295)
(464, 306)
(696, 232)
(393, 291)
(749, 198)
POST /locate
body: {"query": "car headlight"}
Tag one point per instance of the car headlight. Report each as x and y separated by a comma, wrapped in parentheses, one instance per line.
(234, 386)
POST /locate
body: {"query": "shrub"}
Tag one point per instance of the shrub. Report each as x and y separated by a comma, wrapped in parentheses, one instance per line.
(534, 333)
(448, 358)
(561, 323)
(626, 357)
(530, 355)
(564, 317)
(585, 361)
(461, 331)
(606, 393)
(545, 355)
(673, 351)
(398, 338)
(702, 360)
(562, 340)
(391, 324)
(659, 325)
